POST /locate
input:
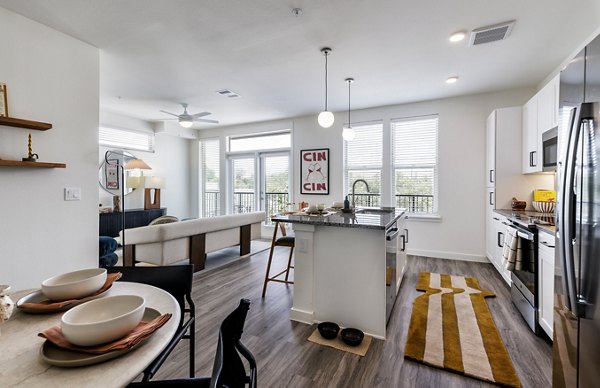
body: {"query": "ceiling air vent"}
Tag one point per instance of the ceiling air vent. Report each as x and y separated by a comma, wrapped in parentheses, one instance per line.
(228, 93)
(491, 33)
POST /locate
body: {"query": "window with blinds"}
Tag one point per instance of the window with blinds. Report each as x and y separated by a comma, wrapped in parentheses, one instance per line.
(363, 160)
(210, 177)
(128, 140)
(414, 154)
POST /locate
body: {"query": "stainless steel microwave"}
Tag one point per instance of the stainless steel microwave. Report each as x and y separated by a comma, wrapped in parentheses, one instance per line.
(549, 149)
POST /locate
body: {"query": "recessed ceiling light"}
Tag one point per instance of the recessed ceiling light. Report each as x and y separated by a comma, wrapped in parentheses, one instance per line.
(457, 36)
(452, 79)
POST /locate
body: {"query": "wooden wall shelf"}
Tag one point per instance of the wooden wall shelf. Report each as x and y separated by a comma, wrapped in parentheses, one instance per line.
(17, 163)
(29, 124)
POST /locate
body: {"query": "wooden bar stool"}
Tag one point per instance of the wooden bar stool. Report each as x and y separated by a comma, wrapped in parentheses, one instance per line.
(283, 241)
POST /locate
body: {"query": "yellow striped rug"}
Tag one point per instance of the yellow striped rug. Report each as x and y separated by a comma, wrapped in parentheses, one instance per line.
(452, 328)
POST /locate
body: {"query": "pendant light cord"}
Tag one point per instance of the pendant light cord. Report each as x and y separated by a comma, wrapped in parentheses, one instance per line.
(326, 54)
(349, 83)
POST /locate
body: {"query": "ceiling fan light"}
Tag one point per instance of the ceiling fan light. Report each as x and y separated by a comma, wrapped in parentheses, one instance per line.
(326, 119)
(186, 123)
(348, 133)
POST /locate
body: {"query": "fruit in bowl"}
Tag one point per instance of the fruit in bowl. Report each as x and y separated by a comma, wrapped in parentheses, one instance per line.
(544, 206)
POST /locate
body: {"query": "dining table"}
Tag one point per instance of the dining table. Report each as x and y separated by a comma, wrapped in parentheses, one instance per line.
(21, 362)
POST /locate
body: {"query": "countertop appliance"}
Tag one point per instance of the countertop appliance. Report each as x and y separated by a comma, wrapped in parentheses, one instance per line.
(576, 344)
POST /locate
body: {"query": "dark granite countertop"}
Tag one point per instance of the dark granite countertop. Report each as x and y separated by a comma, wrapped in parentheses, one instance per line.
(528, 218)
(368, 218)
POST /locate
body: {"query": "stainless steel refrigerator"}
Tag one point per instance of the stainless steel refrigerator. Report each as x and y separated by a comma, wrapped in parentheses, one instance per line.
(576, 346)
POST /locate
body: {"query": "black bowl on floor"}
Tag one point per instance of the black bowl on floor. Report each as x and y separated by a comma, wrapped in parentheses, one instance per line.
(328, 330)
(352, 337)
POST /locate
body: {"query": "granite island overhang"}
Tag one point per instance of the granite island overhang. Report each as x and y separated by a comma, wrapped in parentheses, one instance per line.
(343, 271)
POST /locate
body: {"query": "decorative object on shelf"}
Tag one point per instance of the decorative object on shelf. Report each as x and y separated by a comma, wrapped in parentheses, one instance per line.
(152, 185)
(31, 157)
(515, 204)
(326, 118)
(6, 304)
(348, 133)
(116, 203)
(314, 171)
(3, 101)
(132, 164)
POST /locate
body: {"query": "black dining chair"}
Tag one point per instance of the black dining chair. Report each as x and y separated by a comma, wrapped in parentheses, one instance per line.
(176, 280)
(228, 368)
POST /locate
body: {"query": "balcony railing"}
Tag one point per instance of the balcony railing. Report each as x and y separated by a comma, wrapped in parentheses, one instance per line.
(243, 202)
(412, 203)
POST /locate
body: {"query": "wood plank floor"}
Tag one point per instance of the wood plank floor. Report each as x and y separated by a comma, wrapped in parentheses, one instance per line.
(286, 359)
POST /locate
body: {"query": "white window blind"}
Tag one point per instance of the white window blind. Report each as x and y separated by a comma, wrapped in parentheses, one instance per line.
(123, 139)
(363, 160)
(210, 177)
(415, 163)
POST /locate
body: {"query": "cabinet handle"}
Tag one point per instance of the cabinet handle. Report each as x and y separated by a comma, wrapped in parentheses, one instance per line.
(491, 198)
(497, 219)
(500, 236)
(491, 176)
(532, 163)
(403, 243)
(547, 244)
(406, 234)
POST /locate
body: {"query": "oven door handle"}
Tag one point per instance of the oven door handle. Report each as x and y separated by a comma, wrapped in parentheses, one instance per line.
(525, 235)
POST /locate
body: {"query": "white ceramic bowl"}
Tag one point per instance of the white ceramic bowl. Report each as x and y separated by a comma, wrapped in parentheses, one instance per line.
(544, 207)
(74, 285)
(102, 320)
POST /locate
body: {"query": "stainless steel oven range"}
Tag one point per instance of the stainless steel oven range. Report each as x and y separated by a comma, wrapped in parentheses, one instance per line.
(524, 288)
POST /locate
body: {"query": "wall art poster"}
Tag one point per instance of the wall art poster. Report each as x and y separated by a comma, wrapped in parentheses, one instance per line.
(112, 174)
(314, 172)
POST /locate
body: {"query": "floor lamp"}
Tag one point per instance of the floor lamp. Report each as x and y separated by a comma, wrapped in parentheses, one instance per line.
(132, 164)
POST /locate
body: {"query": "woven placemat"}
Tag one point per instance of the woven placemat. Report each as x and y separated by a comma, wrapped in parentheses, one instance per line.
(337, 343)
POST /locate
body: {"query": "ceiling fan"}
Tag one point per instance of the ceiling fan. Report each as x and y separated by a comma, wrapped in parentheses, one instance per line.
(186, 120)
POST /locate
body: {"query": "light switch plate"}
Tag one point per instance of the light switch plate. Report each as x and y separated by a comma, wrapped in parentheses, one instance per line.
(72, 193)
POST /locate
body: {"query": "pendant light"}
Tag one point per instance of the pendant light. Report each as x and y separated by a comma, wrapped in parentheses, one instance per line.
(348, 133)
(326, 118)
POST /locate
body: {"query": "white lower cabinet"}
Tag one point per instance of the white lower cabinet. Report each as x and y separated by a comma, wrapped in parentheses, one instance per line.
(546, 243)
(495, 242)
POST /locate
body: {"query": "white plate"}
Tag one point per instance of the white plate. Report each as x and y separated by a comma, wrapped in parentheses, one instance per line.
(38, 296)
(56, 356)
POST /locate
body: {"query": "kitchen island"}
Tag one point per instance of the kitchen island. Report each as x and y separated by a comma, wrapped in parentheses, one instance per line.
(348, 266)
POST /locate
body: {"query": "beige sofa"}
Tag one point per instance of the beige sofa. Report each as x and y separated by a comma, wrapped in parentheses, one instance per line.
(165, 244)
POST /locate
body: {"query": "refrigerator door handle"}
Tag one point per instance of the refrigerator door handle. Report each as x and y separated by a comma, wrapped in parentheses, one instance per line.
(566, 225)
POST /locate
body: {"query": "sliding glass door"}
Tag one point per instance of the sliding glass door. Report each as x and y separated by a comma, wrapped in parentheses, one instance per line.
(260, 181)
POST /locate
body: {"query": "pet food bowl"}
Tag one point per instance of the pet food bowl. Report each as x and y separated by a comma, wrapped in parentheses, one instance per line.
(328, 330)
(352, 337)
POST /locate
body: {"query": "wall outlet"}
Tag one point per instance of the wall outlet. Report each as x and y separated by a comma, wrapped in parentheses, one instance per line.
(72, 193)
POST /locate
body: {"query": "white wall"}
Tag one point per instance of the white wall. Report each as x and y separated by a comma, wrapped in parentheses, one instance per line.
(171, 161)
(460, 233)
(52, 78)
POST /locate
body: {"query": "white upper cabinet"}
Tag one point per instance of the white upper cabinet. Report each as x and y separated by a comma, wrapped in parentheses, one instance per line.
(490, 145)
(530, 137)
(539, 115)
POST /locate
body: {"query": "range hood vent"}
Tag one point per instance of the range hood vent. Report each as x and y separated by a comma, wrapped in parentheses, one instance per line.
(491, 33)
